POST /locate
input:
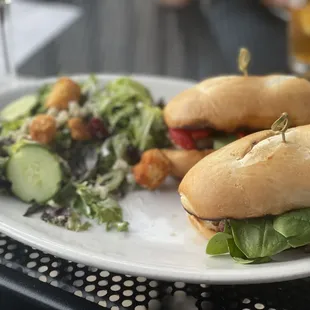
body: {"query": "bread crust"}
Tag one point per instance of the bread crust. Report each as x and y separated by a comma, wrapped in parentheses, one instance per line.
(182, 161)
(156, 164)
(201, 228)
(230, 102)
(252, 177)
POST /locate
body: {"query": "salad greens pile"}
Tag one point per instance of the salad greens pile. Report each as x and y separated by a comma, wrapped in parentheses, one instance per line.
(70, 182)
(128, 106)
(257, 240)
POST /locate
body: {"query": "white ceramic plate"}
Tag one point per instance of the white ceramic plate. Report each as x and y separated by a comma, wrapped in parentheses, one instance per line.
(161, 244)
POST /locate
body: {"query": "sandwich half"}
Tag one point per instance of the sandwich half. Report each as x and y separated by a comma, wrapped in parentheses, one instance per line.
(220, 110)
(252, 197)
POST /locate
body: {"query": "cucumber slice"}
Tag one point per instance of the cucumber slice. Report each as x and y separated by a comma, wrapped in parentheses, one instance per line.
(19, 108)
(35, 173)
(219, 142)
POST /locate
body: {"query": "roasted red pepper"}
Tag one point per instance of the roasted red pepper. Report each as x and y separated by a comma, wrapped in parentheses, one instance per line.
(241, 134)
(200, 134)
(182, 138)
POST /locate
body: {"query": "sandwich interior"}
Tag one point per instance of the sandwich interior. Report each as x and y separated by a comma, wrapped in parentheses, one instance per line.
(254, 240)
(204, 138)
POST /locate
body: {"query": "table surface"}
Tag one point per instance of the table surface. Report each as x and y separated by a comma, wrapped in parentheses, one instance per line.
(54, 284)
(138, 36)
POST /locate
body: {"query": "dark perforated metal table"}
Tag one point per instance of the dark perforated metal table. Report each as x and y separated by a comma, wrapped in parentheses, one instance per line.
(117, 291)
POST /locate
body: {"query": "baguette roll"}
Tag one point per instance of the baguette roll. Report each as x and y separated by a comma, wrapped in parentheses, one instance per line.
(157, 164)
(183, 160)
(255, 176)
(229, 103)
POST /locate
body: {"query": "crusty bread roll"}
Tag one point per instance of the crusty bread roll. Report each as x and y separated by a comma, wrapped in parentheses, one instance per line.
(252, 177)
(231, 102)
(183, 160)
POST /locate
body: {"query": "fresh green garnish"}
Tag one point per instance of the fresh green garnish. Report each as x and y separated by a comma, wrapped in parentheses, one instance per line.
(3, 162)
(295, 226)
(91, 85)
(149, 129)
(19, 108)
(63, 139)
(119, 145)
(43, 93)
(74, 223)
(100, 207)
(42, 96)
(128, 108)
(111, 180)
(8, 128)
(220, 142)
(218, 244)
(126, 88)
(257, 240)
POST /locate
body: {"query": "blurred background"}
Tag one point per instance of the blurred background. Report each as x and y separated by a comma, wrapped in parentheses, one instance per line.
(202, 39)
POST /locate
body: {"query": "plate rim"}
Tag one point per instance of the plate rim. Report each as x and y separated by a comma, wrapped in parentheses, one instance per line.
(247, 275)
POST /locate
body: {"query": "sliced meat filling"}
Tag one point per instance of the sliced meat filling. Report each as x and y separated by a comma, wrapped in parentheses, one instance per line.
(217, 226)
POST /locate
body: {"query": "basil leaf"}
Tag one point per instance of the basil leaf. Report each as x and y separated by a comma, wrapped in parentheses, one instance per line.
(299, 241)
(240, 258)
(260, 260)
(218, 244)
(234, 251)
(295, 226)
(257, 238)
(244, 261)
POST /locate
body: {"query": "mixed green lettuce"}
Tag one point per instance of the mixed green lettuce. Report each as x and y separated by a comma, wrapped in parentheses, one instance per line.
(95, 173)
(127, 106)
(104, 209)
(9, 128)
(257, 240)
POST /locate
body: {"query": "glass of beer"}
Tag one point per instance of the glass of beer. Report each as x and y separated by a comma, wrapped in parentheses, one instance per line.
(299, 40)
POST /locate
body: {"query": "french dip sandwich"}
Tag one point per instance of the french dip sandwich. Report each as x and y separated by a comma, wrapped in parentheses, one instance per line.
(252, 197)
(220, 110)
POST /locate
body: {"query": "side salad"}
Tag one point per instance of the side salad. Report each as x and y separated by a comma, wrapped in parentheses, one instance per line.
(68, 149)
